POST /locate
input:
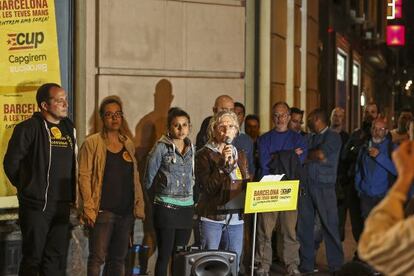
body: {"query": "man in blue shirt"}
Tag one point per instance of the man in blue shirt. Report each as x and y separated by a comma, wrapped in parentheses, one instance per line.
(318, 195)
(280, 139)
(375, 171)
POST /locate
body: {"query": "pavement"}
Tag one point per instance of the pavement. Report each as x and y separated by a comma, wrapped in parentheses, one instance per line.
(349, 246)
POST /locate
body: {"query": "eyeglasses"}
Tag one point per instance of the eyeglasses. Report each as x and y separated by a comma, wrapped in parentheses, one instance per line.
(117, 114)
(280, 115)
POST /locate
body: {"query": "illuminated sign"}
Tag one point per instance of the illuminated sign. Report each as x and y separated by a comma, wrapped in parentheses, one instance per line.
(355, 74)
(395, 35)
(394, 9)
(340, 67)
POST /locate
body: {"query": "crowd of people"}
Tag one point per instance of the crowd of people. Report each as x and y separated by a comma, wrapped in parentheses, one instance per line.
(190, 185)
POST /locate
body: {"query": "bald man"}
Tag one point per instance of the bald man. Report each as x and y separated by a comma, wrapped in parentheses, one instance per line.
(222, 103)
(375, 171)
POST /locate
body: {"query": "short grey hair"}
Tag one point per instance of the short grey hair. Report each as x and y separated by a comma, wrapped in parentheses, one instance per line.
(216, 119)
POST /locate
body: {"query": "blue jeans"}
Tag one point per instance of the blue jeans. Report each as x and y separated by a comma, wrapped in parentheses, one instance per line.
(221, 236)
(108, 243)
(320, 200)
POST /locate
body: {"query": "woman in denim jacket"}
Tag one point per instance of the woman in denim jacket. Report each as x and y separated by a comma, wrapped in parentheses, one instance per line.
(170, 173)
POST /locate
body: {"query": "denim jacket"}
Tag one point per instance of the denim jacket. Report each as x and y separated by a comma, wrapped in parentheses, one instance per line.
(323, 173)
(171, 173)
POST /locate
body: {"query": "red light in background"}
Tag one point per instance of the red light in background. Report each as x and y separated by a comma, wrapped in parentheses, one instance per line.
(395, 35)
(398, 12)
(330, 30)
(394, 9)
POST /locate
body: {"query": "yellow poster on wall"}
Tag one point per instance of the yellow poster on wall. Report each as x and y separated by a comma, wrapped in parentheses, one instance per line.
(29, 57)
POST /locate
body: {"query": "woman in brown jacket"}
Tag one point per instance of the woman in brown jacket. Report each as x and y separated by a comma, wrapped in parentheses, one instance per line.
(110, 190)
(221, 172)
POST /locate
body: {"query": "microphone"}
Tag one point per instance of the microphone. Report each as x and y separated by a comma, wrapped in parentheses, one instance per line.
(228, 143)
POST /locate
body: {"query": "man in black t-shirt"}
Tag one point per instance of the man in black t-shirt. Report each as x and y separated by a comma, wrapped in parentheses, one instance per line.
(40, 163)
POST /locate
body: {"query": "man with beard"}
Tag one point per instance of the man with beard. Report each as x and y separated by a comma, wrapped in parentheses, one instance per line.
(357, 139)
(375, 171)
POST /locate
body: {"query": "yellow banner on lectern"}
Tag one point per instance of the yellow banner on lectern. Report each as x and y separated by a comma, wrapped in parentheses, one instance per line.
(29, 57)
(271, 196)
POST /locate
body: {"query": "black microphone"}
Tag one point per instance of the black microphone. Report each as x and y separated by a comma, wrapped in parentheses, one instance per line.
(228, 143)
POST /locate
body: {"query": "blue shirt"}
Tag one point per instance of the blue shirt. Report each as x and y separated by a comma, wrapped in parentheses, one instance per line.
(274, 141)
(323, 172)
(372, 174)
(244, 143)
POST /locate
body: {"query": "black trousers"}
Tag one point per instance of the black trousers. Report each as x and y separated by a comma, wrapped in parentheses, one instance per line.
(45, 240)
(355, 212)
(167, 241)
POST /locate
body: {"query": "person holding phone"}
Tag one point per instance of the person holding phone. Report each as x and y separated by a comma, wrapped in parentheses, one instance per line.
(375, 171)
(388, 239)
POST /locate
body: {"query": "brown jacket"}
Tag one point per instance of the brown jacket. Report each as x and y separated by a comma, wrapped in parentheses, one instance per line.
(214, 182)
(92, 159)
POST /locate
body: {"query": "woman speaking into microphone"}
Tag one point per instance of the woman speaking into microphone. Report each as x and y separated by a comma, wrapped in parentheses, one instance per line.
(221, 171)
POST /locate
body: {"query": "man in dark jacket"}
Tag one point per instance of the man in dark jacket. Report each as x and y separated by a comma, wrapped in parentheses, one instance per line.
(357, 139)
(222, 103)
(319, 195)
(40, 162)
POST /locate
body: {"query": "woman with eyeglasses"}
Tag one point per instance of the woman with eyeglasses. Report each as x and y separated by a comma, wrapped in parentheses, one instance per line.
(110, 190)
(221, 171)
